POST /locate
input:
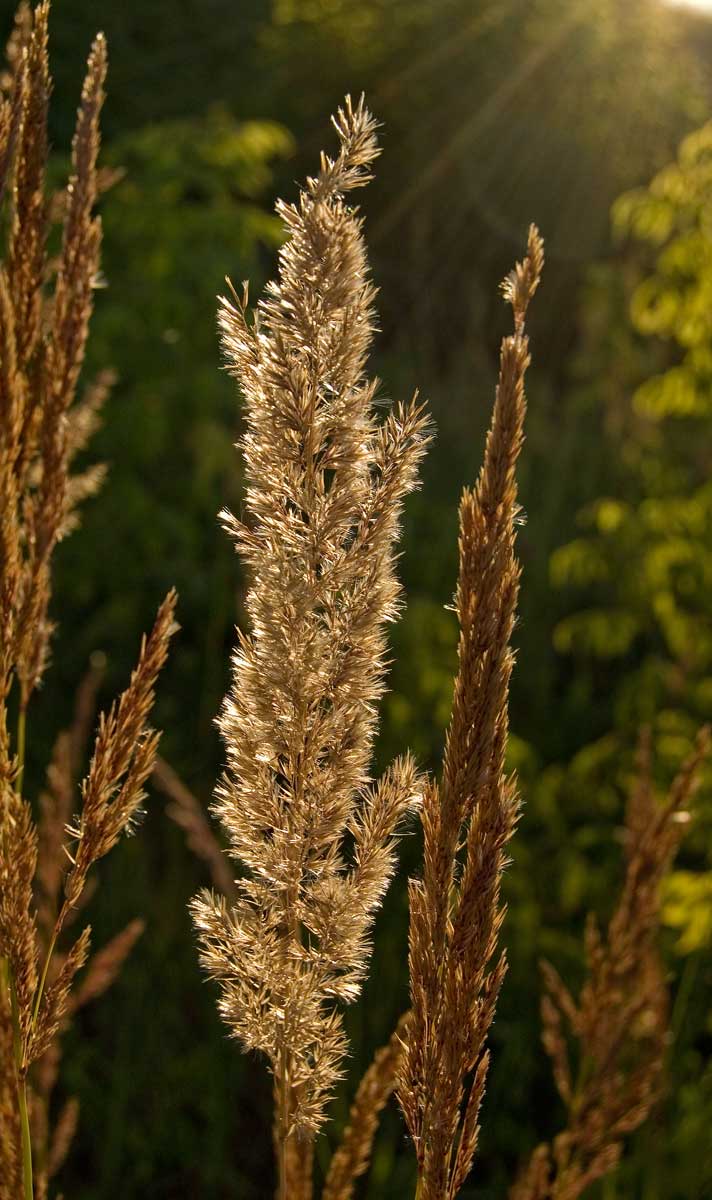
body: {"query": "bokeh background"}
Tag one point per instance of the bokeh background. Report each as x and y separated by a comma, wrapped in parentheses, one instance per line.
(588, 116)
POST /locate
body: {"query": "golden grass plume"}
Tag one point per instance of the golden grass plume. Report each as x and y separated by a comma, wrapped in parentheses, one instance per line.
(45, 309)
(325, 486)
(455, 911)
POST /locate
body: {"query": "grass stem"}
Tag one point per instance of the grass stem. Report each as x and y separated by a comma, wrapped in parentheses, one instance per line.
(283, 1126)
(8, 980)
(21, 741)
(26, 1139)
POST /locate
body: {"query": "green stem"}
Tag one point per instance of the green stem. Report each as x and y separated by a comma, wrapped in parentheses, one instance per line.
(687, 982)
(7, 982)
(43, 978)
(21, 739)
(27, 1183)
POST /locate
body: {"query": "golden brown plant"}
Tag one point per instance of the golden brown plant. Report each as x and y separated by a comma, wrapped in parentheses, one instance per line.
(455, 912)
(619, 1025)
(39, 993)
(326, 482)
(44, 318)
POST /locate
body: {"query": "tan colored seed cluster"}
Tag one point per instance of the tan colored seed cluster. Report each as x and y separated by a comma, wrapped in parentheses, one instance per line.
(326, 482)
(455, 912)
(45, 309)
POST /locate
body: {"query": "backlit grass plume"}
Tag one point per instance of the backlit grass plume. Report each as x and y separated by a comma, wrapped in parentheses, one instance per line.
(455, 911)
(326, 481)
(45, 310)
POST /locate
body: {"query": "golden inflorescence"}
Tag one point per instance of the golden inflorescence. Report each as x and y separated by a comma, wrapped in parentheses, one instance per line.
(45, 309)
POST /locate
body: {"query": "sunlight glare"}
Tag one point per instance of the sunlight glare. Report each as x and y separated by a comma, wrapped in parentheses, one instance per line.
(703, 5)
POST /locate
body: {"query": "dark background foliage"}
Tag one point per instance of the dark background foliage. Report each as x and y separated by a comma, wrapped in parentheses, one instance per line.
(495, 113)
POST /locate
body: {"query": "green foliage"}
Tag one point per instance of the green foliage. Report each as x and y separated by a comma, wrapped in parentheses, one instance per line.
(648, 557)
(645, 558)
(641, 567)
(688, 907)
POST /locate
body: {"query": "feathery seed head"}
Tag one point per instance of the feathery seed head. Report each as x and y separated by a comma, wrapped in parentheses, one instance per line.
(325, 488)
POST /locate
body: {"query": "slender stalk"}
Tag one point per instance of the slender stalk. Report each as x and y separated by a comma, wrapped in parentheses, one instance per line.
(283, 1125)
(21, 741)
(26, 1139)
(27, 1184)
(687, 981)
(43, 978)
(21, 725)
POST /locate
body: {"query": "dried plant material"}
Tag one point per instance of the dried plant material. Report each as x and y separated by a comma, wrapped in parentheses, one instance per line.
(352, 1157)
(10, 1162)
(45, 310)
(188, 813)
(42, 339)
(534, 1180)
(13, 82)
(57, 803)
(58, 799)
(52, 1144)
(326, 483)
(43, 1000)
(18, 939)
(455, 912)
(619, 1025)
(296, 1157)
(48, 505)
(29, 227)
(50, 1012)
(18, 40)
(124, 754)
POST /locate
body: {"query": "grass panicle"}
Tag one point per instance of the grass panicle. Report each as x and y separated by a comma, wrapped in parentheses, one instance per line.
(455, 911)
(314, 837)
(45, 310)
